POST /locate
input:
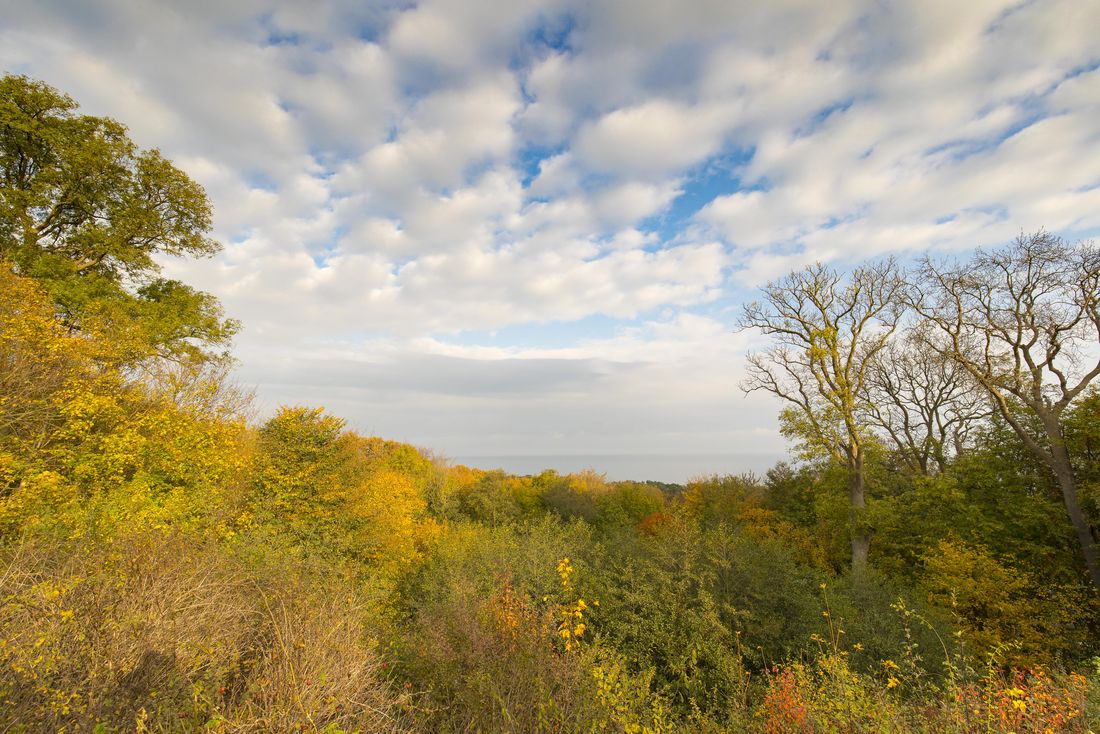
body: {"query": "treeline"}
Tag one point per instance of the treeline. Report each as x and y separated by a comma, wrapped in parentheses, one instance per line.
(166, 564)
(921, 360)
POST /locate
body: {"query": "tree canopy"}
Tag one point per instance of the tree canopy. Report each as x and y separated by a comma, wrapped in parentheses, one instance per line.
(89, 214)
(168, 566)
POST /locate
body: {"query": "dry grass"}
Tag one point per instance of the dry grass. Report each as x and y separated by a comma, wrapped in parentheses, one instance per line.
(165, 633)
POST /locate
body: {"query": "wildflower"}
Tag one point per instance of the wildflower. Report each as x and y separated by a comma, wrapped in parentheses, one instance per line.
(892, 682)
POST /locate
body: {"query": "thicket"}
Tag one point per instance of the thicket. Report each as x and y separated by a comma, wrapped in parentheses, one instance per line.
(166, 564)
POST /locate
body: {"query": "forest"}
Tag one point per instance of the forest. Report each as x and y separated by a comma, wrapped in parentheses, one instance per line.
(924, 562)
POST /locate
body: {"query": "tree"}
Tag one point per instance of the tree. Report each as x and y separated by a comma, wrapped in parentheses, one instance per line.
(1024, 322)
(301, 456)
(43, 371)
(88, 214)
(1083, 437)
(83, 444)
(926, 405)
(827, 331)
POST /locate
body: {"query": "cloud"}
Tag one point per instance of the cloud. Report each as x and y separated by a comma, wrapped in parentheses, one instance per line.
(652, 139)
(427, 206)
(540, 400)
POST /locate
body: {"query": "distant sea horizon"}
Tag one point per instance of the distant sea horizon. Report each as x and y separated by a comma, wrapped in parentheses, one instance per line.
(668, 468)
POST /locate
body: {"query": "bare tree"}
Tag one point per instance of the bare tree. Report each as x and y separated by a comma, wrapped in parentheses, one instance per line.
(827, 330)
(1024, 322)
(925, 404)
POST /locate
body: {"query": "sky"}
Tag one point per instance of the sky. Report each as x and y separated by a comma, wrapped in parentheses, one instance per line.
(526, 228)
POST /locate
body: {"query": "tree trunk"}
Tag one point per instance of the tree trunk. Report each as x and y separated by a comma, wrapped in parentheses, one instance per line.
(1064, 472)
(861, 538)
(1059, 462)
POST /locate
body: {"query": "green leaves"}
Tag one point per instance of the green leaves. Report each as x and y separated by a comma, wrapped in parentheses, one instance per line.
(87, 213)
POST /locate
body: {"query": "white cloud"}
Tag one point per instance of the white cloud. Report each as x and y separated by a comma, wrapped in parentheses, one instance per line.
(396, 182)
(652, 139)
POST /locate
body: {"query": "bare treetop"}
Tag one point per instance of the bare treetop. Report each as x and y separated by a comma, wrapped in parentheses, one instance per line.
(826, 330)
(1021, 319)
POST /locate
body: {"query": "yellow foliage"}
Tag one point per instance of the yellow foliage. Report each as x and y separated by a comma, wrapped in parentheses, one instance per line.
(588, 481)
(570, 615)
(389, 515)
(76, 433)
(994, 603)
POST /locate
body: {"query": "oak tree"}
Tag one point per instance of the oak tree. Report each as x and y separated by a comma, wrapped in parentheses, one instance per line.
(827, 330)
(1024, 322)
(924, 404)
(89, 214)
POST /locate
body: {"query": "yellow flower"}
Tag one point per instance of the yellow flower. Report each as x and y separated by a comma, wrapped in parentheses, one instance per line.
(889, 665)
(892, 682)
(1019, 705)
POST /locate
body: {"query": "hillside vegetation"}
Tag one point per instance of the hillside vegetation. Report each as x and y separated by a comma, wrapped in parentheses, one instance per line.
(170, 564)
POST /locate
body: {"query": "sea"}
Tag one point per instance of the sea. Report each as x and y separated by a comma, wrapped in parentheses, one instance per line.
(668, 468)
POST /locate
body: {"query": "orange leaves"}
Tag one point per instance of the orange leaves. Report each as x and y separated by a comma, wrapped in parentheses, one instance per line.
(1021, 701)
(825, 695)
(785, 710)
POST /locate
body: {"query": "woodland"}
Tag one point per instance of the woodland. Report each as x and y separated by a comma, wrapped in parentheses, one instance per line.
(926, 560)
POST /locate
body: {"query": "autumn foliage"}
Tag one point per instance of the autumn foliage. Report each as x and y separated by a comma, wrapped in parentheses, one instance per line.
(169, 562)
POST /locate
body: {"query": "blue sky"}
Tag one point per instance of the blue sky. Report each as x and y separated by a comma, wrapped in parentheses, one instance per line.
(526, 228)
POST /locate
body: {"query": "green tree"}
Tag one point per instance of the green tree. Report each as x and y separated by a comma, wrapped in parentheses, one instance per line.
(300, 458)
(826, 332)
(1083, 438)
(88, 214)
(1023, 321)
